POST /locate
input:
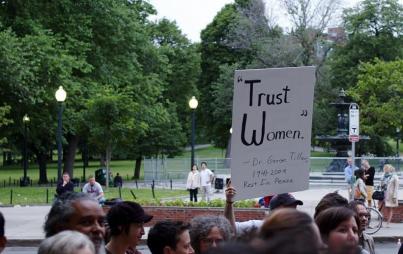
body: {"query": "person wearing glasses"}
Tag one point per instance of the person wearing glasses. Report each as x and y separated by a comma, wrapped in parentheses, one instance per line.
(208, 232)
(366, 241)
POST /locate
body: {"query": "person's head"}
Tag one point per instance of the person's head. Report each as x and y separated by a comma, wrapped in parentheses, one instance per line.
(288, 225)
(338, 227)
(387, 168)
(66, 177)
(365, 164)
(117, 174)
(359, 173)
(350, 161)
(170, 237)
(91, 180)
(79, 212)
(126, 219)
(361, 211)
(67, 242)
(208, 231)
(332, 199)
(194, 167)
(3, 239)
(203, 165)
(284, 200)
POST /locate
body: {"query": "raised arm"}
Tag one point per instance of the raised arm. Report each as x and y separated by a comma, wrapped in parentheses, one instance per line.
(229, 206)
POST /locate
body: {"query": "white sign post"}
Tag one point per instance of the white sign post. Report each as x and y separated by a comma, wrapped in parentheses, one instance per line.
(271, 131)
(354, 127)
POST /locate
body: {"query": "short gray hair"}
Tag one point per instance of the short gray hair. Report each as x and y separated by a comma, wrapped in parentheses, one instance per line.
(58, 218)
(66, 242)
(201, 226)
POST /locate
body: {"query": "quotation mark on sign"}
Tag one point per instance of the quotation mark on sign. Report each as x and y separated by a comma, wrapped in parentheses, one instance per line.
(240, 79)
(304, 112)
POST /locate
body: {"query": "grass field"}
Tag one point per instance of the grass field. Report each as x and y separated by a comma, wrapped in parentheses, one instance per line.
(43, 195)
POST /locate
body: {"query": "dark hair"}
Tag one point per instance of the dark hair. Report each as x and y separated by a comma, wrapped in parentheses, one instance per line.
(331, 218)
(165, 233)
(353, 205)
(2, 222)
(58, 218)
(332, 199)
(285, 225)
(359, 173)
(122, 214)
(193, 166)
(233, 248)
(203, 162)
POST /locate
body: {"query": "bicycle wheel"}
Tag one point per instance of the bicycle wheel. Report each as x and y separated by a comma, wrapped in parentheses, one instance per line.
(374, 221)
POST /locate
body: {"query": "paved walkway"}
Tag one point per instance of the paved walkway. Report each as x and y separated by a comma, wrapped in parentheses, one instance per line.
(24, 225)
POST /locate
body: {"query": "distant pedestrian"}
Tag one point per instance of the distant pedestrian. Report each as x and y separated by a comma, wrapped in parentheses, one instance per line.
(390, 182)
(206, 177)
(117, 181)
(369, 179)
(349, 177)
(67, 242)
(360, 191)
(64, 185)
(94, 189)
(3, 239)
(193, 183)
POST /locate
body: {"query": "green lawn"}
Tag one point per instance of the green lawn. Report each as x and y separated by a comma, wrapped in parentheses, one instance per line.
(43, 195)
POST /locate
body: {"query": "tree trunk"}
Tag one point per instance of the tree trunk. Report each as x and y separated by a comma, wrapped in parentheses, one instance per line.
(137, 167)
(70, 154)
(42, 163)
(108, 159)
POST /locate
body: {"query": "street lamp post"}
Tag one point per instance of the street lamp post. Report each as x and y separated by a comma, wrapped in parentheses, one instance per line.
(24, 180)
(60, 97)
(193, 105)
(397, 147)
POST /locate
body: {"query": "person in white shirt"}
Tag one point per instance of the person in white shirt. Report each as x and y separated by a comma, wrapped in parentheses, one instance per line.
(94, 189)
(206, 178)
(193, 183)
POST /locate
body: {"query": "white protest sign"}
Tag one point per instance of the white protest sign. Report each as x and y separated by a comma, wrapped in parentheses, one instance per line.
(271, 130)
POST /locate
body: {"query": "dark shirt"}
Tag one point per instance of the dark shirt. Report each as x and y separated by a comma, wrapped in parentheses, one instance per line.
(118, 181)
(401, 249)
(60, 189)
(370, 178)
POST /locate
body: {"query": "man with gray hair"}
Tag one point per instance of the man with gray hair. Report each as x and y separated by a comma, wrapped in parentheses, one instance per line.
(78, 212)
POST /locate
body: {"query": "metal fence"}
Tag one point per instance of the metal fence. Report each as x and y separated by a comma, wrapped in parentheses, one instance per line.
(164, 170)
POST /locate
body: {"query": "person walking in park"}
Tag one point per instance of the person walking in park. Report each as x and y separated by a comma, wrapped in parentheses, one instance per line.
(80, 212)
(94, 189)
(390, 183)
(64, 185)
(369, 179)
(349, 177)
(360, 191)
(193, 183)
(206, 178)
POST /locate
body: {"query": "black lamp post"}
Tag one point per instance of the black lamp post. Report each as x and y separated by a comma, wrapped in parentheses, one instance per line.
(60, 97)
(193, 105)
(24, 180)
(397, 147)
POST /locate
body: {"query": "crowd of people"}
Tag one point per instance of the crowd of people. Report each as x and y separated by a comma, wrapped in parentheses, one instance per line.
(77, 224)
(360, 183)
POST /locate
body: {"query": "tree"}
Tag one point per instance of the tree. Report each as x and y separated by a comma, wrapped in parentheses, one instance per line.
(374, 30)
(379, 92)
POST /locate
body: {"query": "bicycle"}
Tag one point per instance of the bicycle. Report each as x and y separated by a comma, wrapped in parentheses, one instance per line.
(375, 218)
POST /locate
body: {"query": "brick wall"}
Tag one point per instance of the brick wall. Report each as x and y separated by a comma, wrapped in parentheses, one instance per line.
(187, 213)
(397, 213)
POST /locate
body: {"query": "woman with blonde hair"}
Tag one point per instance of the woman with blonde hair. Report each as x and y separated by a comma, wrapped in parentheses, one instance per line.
(390, 183)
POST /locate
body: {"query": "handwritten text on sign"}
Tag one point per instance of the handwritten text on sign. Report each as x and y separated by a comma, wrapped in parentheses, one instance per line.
(271, 122)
